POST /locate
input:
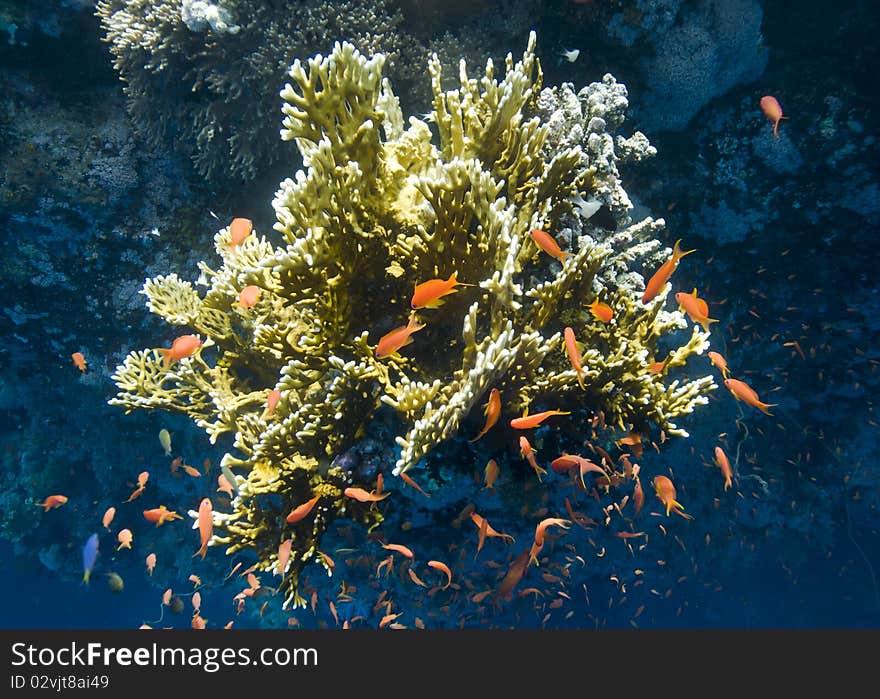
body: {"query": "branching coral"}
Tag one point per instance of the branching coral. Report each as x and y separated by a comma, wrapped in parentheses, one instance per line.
(379, 208)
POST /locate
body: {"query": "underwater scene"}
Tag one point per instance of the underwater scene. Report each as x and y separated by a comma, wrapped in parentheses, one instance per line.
(414, 314)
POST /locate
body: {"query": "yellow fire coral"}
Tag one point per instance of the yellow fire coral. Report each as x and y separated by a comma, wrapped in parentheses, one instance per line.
(378, 208)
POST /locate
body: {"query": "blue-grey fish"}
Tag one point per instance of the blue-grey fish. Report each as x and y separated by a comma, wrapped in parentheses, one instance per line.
(90, 553)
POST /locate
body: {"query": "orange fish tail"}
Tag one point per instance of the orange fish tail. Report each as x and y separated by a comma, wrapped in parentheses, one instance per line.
(167, 355)
(677, 254)
(763, 407)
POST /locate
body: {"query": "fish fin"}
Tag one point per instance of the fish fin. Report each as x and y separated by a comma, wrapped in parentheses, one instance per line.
(436, 303)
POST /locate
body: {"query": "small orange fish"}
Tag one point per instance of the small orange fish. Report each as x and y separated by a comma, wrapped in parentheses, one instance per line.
(657, 367)
(196, 601)
(491, 473)
(492, 411)
(239, 229)
(490, 532)
(283, 556)
(362, 495)
(175, 464)
(540, 530)
(405, 477)
(574, 355)
(396, 339)
(742, 391)
(52, 502)
(441, 566)
(720, 362)
(526, 422)
(142, 479)
(514, 574)
(601, 311)
(225, 485)
(638, 496)
(79, 361)
(124, 537)
(428, 294)
(182, 347)
(546, 242)
(666, 494)
(300, 512)
(205, 524)
(661, 276)
(271, 403)
(249, 296)
(151, 562)
(724, 464)
(108, 517)
(399, 548)
(696, 308)
(160, 515)
(166, 597)
(526, 451)
(192, 471)
(772, 110)
(195, 580)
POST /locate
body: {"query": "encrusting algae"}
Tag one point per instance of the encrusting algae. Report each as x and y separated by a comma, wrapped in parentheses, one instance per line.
(379, 210)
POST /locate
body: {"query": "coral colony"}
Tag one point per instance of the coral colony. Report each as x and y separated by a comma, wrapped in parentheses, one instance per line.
(425, 276)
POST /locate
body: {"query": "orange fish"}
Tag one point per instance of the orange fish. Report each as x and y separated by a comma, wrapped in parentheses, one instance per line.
(514, 574)
(601, 311)
(399, 337)
(441, 566)
(666, 494)
(192, 471)
(399, 548)
(720, 362)
(249, 296)
(428, 294)
(142, 479)
(526, 422)
(490, 532)
(412, 484)
(574, 355)
(772, 110)
(79, 361)
(525, 449)
(657, 367)
(546, 242)
(124, 538)
(183, 346)
(272, 402)
(362, 495)
(492, 411)
(108, 517)
(724, 464)
(198, 622)
(540, 530)
(301, 511)
(661, 276)
(491, 473)
(52, 502)
(239, 229)
(696, 308)
(638, 496)
(742, 391)
(566, 462)
(196, 601)
(225, 485)
(151, 562)
(160, 515)
(283, 556)
(205, 524)
(175, 464)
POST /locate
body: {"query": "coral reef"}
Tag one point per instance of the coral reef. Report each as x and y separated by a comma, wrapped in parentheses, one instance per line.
(699, 51)
(379, 208)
